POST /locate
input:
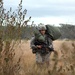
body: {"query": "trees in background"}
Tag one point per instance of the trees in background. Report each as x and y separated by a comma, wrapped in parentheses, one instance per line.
(15, 23)
(67, 31)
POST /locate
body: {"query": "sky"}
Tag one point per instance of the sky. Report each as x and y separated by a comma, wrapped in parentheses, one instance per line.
(46, 11)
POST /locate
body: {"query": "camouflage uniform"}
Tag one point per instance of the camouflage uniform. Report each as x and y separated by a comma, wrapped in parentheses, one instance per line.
(39, 57)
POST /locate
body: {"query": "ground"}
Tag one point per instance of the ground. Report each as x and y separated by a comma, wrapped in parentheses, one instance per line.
(63, 57)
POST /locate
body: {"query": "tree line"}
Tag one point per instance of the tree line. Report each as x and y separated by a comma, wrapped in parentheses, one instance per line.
(13, 25)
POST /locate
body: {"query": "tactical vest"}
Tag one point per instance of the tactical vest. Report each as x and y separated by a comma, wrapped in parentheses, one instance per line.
(44, 44)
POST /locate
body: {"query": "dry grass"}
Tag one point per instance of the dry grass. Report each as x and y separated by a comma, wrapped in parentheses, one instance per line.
(62, 61)
(20, 60)
(16, 57)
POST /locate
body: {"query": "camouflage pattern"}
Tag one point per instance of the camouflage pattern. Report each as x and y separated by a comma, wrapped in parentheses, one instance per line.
(39, 57)
(42, 27)
(42, 58)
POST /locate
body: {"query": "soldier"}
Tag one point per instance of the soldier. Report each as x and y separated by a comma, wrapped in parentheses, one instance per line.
(42, 50)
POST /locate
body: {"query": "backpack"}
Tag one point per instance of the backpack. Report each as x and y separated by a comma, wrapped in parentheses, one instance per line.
(52, 32)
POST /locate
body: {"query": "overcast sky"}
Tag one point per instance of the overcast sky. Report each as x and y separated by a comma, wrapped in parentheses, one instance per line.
(46, 11)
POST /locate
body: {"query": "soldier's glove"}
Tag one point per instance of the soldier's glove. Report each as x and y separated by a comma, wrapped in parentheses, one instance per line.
(34, 49)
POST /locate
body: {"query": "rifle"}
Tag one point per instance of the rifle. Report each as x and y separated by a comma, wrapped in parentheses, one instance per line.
(45, 48)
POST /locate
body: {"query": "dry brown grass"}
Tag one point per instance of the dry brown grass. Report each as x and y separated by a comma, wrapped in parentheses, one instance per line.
(62, 61)
(16, 58)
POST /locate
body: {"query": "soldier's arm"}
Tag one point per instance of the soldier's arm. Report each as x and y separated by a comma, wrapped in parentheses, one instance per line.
(32, 45)
(50, 45)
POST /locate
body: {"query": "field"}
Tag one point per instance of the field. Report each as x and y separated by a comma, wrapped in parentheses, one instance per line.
(16, 56)
(62, 62)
